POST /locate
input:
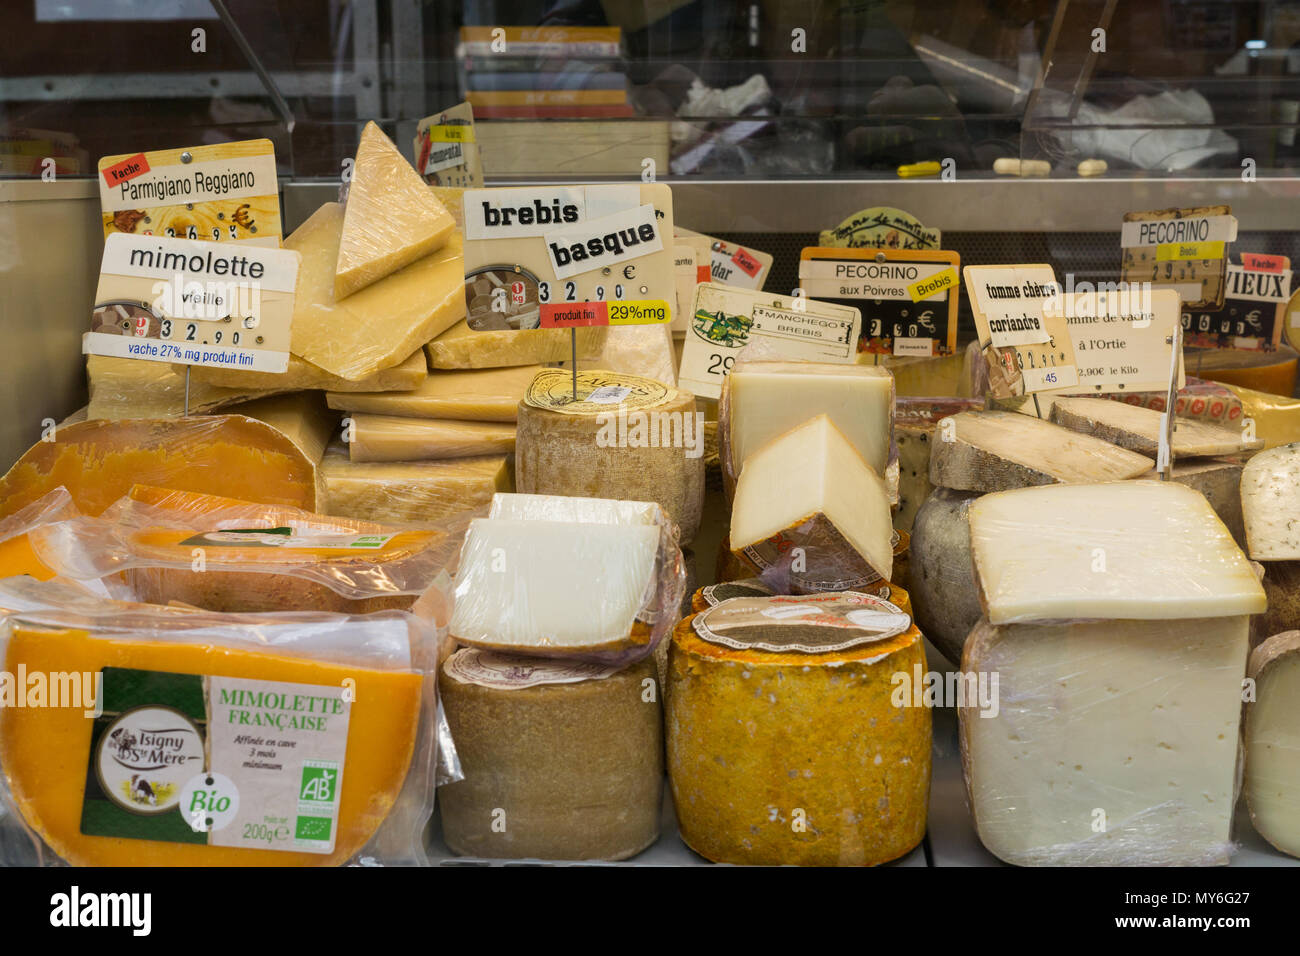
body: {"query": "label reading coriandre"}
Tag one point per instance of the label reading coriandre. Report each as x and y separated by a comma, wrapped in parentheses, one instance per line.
(221, 761)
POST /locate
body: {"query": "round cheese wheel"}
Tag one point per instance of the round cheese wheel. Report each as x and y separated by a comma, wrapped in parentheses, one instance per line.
(714, 594)
(587, 453)
(942, 584)
(562, 760)
(784, 742)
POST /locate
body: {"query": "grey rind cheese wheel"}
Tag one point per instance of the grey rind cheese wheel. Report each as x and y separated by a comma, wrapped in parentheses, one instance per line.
(945, 599)
(1282, 588)
(560, 454)
(570, 771)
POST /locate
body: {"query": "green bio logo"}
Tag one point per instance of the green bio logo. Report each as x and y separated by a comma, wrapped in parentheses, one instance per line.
(319, 785)
(313, 828)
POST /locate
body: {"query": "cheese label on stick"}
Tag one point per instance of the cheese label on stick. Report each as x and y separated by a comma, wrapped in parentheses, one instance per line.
(1121, 339)
(1182, 249)
(446, 149)
(194, 303)
(1254, 307)
(1025, 350)
(724, 320)
(731, 263)
(224, 193)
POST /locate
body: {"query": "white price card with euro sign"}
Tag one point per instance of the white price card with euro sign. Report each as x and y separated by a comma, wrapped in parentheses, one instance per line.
(192, 302)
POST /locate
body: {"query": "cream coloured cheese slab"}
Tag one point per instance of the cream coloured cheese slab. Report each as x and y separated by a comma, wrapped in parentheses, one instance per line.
(1138, 429)
(1270, 504)
(480, 395)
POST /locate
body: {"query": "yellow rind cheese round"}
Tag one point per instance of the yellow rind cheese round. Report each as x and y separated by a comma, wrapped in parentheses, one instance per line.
(792, 758)
(559, 771)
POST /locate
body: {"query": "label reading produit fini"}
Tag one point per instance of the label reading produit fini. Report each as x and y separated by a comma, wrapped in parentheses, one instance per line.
(472, 665)
(804, 624)
(216, 761)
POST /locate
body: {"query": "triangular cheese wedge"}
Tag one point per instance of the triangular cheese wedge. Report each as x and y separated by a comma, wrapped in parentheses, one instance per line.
(392, 217)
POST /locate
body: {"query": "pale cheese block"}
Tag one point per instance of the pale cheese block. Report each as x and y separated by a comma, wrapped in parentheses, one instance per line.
(563, 454)
(409, 492)
(392, 217)
(522, 507)
(408, 374)
(554, 588)
(942, 581)
(129, 388)
(915, 424)
(1141, 550)
(1270, 504)
(382, 324)
(1111, 743)
(478, 395)
(786, 747)
(768, 399)
(390, 438)
(463, 347)
(1219, 479)
(810, 489)
(562, 760)
(1139, 429)
(995, 451)
(1272, 742)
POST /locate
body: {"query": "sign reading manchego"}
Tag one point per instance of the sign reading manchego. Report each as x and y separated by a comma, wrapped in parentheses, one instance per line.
(226, 193)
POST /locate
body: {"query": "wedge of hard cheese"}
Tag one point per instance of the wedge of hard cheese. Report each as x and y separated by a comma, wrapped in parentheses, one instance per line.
(807, 502)
(1272, 742)
(554, 588)
(1270, 504)
(392, 217)
(1124, 550)
(463, 347)
(996, 451)
(916, 422)
(482, 395)
(1138, 429)
(408, 374)
(520, 507)
(390, 438)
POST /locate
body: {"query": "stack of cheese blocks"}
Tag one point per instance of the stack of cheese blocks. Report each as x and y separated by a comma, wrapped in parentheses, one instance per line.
(1077, 441)
(553, 701)
(381, 276)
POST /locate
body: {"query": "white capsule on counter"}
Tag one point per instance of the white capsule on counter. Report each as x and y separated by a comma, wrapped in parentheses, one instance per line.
(1093, 167)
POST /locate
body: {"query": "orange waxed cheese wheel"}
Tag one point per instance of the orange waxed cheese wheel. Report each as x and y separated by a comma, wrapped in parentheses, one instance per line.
(44, 751)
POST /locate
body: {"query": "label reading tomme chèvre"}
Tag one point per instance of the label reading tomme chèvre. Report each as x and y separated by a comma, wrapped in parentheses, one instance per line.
(217, 761)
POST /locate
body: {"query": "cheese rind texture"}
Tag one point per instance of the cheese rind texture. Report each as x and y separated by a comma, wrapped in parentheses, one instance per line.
(44, 751)
(409, 492)
(1123, 550)
(463, 347)
(1272, 742)
(99, 461)
(758, 738)
(810, 489)
(382, 324)
(575, 768)
(997, 451)
(1270, 504)
(1130, 725)
(1139, 429)
(392, 218)
(942, 581)
(564, 454)
(554, 588)
(767, 399)
(916, 422)
(391, 438)
(486, 395)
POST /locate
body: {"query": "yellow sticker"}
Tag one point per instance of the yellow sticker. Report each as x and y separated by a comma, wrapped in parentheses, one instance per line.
(640, 312)
(923, 289)
(1179, 251)
(451, 134)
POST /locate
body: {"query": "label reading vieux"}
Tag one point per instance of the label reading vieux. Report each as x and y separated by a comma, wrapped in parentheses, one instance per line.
(194, 303)
(1254, 307)
(227, 192)
(216, 761)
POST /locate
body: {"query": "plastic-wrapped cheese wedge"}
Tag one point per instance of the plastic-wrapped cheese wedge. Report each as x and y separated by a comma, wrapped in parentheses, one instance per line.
(99, 461)
(808, 504)
(218, 740)
(130, 388)
(409, 492)
(1139, 429)
(1120, 628)
(301, 374)
(463, 347)
(17, 557)
(561, 589)
(391, 438)
(1272, 742)
(235, 556)
(478, 395)
(392, 218)
(785, 742)
(570, 752)
(519, 507)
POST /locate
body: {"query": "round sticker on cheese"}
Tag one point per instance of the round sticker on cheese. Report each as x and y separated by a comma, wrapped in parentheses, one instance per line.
(473, 665)
(806, 623)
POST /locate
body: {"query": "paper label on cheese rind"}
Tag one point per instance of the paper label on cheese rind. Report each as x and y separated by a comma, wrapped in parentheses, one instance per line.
(217, 761)
(805, 624)
(1185, 249)
(598, 392)
(500, 671)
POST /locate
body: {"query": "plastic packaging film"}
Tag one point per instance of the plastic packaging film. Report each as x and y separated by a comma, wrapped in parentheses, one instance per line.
(226, 555)
(17, 556)
(596, 582)
(360, 689)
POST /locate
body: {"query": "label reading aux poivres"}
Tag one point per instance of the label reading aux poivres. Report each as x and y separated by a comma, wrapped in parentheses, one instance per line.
(224, 192)
(598, 392)
(724, 320)
(472, 665)
(194, 303)
(804, 624)
(217, 761)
